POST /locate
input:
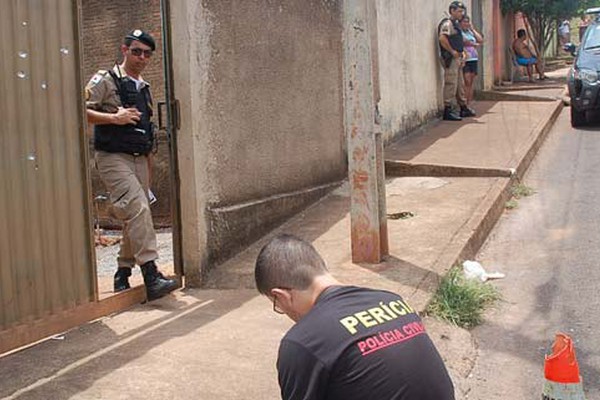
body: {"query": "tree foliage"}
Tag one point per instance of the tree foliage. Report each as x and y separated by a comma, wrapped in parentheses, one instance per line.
(543, 15)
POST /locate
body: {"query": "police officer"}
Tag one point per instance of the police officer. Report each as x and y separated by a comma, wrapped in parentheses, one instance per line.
(119, 105)
(452, 52)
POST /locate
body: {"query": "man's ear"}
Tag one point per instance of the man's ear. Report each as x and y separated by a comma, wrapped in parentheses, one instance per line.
(276, 292)
(281, 294)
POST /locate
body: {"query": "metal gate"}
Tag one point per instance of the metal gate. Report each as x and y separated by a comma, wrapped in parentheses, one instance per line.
(47, 272)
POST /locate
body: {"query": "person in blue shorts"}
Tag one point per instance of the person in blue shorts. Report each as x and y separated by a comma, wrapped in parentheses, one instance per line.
(526, 57)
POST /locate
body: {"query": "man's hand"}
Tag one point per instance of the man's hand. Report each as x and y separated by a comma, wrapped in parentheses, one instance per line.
(125, 116)
(455, 54)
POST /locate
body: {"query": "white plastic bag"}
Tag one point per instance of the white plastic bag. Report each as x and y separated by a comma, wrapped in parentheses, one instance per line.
(474, 270)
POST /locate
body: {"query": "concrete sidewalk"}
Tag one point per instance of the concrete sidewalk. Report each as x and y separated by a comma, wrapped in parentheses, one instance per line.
(221, 343)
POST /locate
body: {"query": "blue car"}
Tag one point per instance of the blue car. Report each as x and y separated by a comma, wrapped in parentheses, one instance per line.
(584, 77)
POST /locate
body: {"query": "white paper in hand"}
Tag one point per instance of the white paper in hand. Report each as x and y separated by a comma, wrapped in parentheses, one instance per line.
(151, 197)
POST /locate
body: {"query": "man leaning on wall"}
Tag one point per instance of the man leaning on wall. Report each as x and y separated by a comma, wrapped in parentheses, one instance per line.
(452, 53)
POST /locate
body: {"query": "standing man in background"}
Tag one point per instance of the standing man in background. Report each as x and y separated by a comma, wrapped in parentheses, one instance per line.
(119, 104)
(452, 52)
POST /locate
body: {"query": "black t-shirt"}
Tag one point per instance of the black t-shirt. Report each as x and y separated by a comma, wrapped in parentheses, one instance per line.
(359, 343)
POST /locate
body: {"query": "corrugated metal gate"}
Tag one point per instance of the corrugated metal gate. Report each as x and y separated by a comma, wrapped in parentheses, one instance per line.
(47, 273)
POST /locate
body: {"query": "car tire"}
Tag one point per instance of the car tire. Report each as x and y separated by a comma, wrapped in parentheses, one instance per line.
(577, 117)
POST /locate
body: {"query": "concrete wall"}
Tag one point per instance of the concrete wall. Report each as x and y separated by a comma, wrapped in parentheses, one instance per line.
(503, 28)
(260, 86)
(410, 72)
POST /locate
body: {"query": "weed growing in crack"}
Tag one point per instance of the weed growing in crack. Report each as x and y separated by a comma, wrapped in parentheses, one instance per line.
(521, 190)
(517, 192)
(461, 301)
(511, 204)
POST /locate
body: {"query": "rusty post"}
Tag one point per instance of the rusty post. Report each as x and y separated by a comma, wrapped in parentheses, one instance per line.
(365, 162)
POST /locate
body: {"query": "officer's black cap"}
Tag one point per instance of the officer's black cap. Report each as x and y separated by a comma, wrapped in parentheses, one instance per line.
(457, 4)
(141, 36)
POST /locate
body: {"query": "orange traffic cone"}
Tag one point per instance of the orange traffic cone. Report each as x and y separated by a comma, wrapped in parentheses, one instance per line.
(561, 370)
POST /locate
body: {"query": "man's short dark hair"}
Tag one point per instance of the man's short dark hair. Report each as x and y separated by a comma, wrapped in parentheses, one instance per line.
(287, 262)
(521, 33)
(456, 5)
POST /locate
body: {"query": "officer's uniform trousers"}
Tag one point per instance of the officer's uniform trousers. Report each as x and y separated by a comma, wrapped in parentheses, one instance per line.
(454, 84)
(126, 177)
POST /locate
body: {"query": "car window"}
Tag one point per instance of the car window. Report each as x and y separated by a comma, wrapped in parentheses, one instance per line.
(592, 37)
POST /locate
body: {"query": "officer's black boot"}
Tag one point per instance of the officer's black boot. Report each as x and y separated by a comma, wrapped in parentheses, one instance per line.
(450, 115)
(466, 112)
(121, 280)
(156, 284)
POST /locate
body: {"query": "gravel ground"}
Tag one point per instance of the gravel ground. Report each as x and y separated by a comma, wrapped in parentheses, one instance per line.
(106, 257)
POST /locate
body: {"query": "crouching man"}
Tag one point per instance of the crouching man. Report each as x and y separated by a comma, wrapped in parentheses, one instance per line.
(348, 342)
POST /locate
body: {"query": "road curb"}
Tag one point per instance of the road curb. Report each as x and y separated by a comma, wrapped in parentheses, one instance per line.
(472, 235)
(537, 139)
(507, 96)
(404, 168)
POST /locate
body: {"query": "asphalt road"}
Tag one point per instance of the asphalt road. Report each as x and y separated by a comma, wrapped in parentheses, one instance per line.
(549, 248)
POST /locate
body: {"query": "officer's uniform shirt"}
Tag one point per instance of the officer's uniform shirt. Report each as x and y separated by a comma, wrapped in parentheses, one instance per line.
(447, 28)
(360, 344)
(101, 91)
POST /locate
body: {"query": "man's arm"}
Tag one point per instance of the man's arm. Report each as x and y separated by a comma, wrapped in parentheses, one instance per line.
(301, 375)
(96, 93)
(445, 43)
(123, 116)
(445, 30)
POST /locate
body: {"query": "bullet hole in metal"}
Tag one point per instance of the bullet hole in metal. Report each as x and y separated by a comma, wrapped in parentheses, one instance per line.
(44, 85)
(21, 75)
(64, 51)
(31, 157)
(24, 23)
(23, 54)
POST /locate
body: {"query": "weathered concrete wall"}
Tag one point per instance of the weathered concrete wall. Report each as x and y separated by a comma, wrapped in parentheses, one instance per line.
(261, 92)
(410, 73)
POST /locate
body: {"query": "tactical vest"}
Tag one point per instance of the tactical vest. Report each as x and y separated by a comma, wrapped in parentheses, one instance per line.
(455, 40)
(131, 139)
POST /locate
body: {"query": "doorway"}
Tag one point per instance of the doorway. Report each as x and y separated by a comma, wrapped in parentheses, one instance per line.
(103, 27)
(49, 277)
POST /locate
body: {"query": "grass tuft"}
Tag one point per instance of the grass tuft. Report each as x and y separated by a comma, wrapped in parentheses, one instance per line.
(517, 192)
(511, 204)
(521, 190)
(461, 301)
